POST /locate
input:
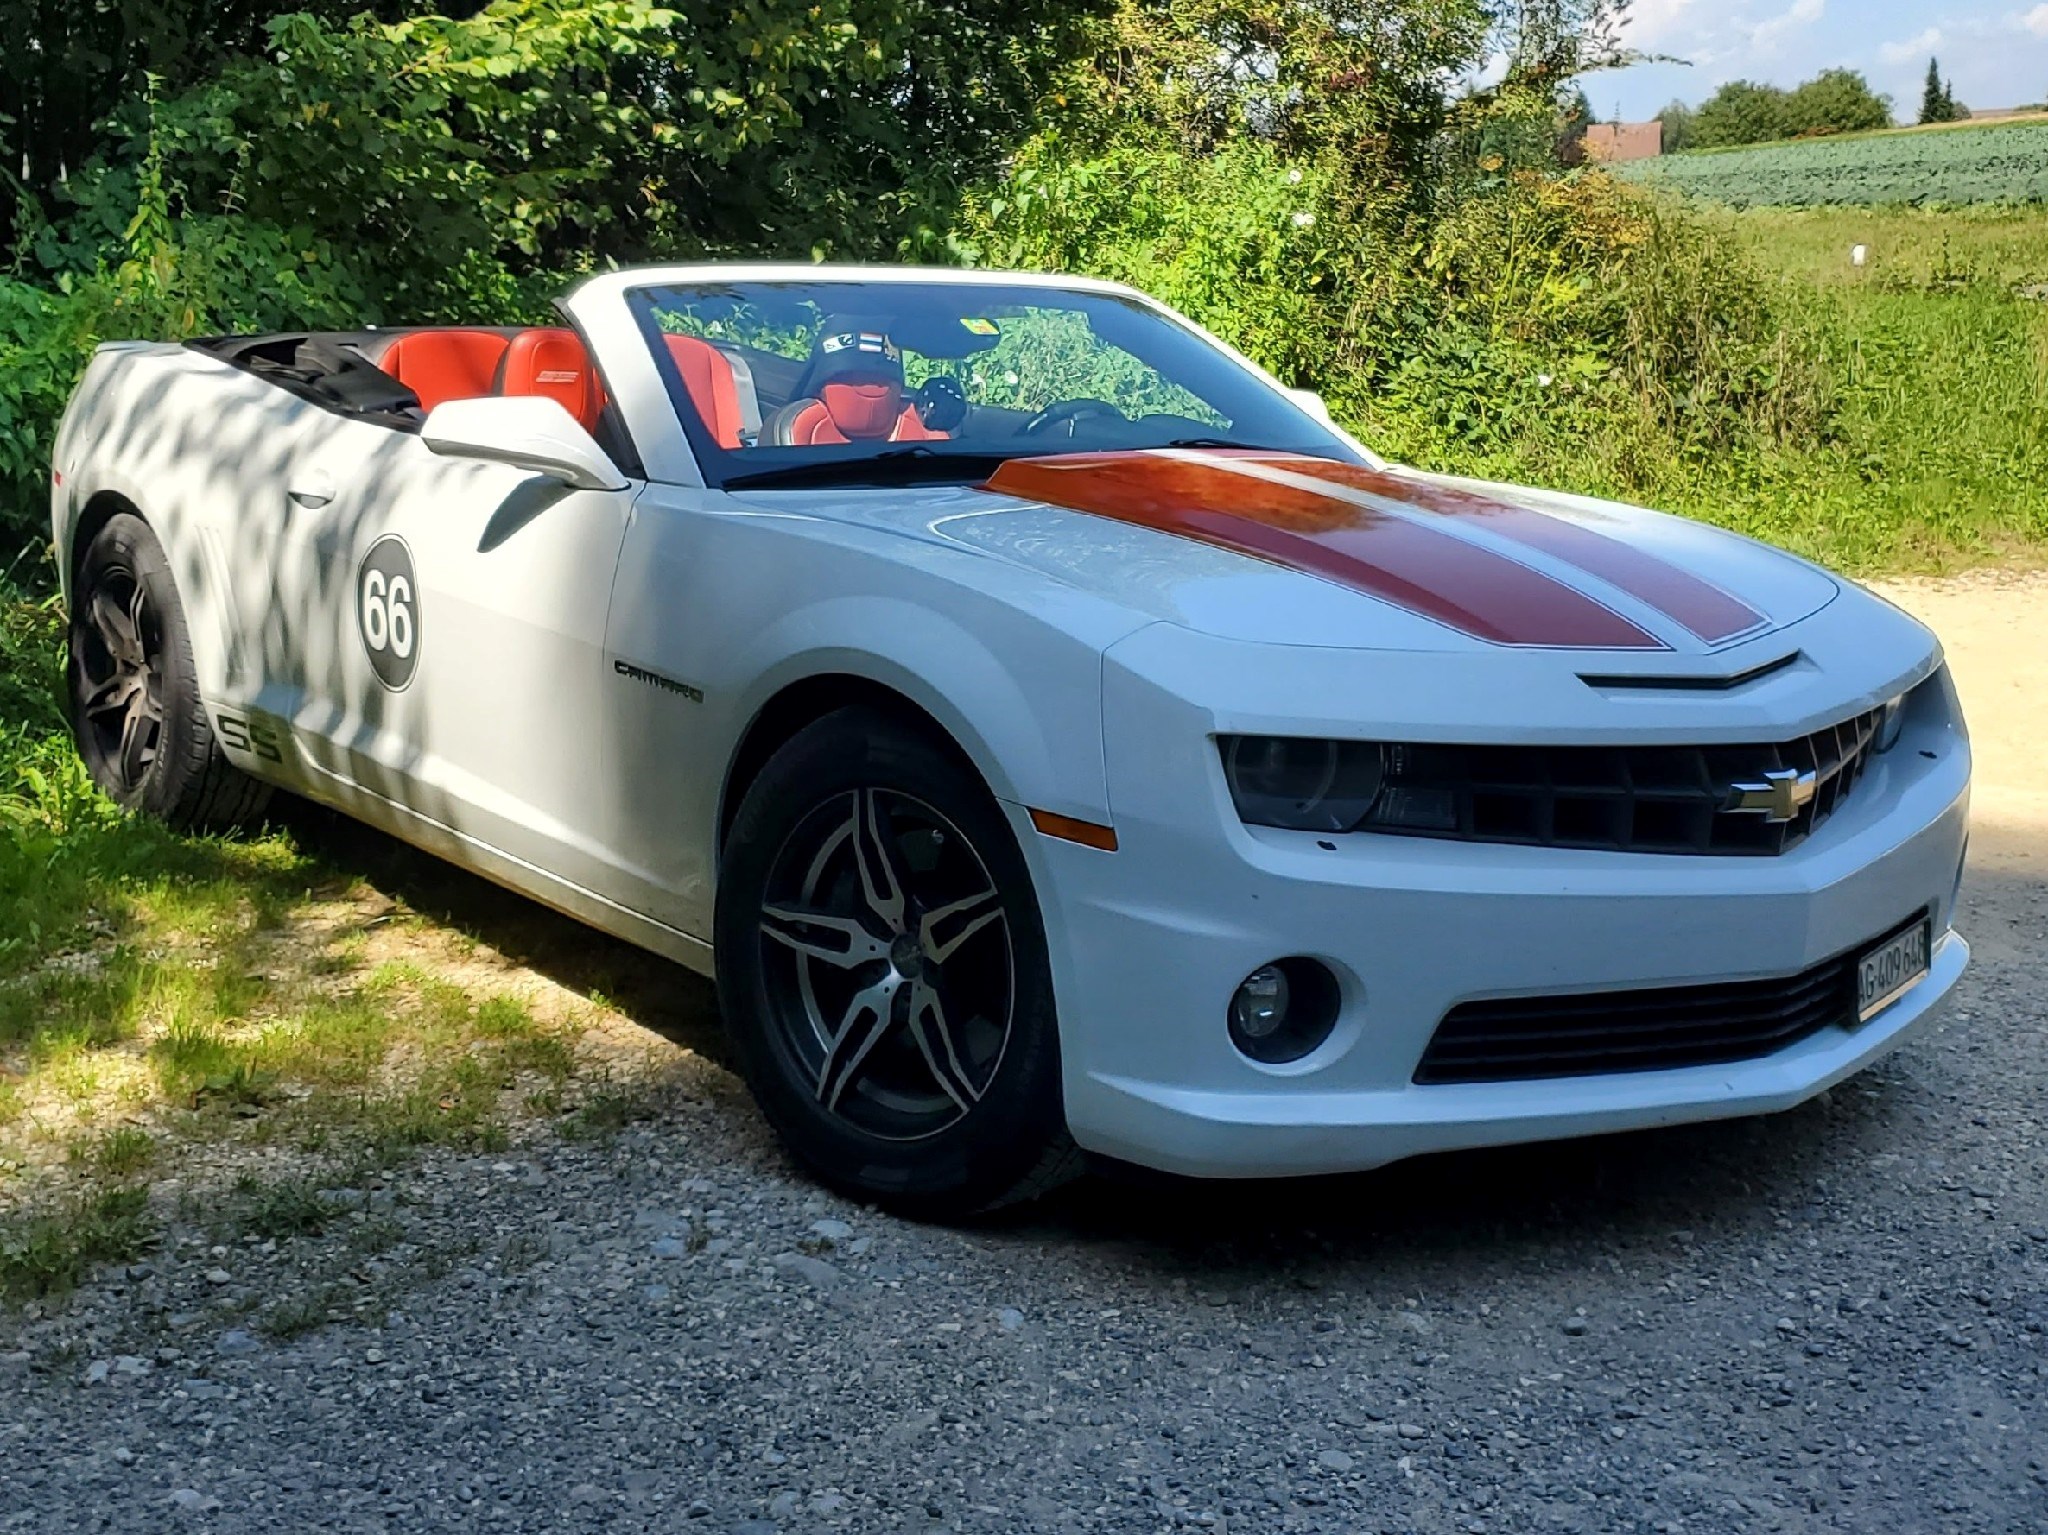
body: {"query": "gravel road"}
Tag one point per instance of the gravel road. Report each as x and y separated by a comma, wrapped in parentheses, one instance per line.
(1832, 1320)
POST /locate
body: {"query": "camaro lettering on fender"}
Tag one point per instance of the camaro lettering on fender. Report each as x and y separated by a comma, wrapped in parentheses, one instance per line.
(655, 679)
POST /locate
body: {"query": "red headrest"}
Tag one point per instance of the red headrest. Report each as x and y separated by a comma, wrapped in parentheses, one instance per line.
(863, 409)
(553, 364)
(440, 365)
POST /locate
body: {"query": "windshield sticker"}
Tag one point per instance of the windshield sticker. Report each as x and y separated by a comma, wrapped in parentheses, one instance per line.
(980, 327)
(861, 341)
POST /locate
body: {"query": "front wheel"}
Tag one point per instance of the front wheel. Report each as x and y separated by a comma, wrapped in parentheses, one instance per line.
(134, 690)
(882, 969)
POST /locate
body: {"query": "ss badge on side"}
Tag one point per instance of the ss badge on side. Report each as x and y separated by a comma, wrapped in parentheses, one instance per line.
(388, 611)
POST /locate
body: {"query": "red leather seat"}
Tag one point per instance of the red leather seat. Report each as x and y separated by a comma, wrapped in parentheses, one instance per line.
(553, 364)
(852, 391)
(707, 378)
(816, 421)
(439, 365)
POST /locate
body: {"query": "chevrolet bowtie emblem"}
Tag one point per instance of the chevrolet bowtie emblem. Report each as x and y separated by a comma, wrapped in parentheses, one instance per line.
(1780, 796)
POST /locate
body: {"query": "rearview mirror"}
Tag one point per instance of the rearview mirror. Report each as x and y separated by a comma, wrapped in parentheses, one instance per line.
(526, 431)
(1312, 402)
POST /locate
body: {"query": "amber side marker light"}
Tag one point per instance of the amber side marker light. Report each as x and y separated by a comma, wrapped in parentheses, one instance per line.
(1067, 829)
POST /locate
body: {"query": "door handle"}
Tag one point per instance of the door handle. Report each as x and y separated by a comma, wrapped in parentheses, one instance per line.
(316, 490)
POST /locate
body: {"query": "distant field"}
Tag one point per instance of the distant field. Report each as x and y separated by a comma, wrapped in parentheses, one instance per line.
(2004, 162)
(1928, 250)
(1940, 349)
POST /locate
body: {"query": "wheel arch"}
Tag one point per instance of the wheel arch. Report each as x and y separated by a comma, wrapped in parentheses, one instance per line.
(100, 508)
(803, 702)
(196, 569)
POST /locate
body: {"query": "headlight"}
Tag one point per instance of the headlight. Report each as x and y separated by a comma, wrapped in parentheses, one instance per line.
(1302, 785)
(1891, 720)
(1299, 784)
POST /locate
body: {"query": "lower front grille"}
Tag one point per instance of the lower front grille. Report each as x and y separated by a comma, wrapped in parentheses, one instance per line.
(1515, 1039)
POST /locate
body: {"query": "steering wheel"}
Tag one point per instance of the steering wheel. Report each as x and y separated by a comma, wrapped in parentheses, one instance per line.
(941, 402)
(1069, 413)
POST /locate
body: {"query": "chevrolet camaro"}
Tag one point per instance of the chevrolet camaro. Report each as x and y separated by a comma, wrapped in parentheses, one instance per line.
(1055, 735)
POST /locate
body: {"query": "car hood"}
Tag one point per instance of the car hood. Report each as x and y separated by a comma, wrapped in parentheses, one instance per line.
(1281, 549)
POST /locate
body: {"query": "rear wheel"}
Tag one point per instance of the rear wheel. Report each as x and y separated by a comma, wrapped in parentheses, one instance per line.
(882, 968)
(134, 691)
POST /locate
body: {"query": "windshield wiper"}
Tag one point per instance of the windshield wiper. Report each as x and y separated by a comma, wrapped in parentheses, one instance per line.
(1231, 442)
(912, 465)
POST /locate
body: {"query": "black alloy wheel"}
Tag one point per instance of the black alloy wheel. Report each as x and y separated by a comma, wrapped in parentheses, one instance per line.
(882, 969)
(119, 692)
(133, 689)
(887, 956)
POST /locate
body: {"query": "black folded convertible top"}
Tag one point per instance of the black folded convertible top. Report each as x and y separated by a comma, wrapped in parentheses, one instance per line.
(332, 369)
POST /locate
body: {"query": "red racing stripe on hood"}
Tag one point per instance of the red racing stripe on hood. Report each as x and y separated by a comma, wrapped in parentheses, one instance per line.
(1424, 569)
(1699, 606)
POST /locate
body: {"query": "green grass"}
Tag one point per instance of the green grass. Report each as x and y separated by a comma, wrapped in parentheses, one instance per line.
(1997, 162)
(1940, 365)
(164, 996)
(1920, 393)
(44, 1252)
(1906, 249)
(277, 1207)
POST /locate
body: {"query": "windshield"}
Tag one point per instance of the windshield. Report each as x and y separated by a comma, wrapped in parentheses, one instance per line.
(860, 381)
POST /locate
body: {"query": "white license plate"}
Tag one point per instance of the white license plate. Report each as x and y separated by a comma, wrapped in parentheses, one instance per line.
(1888, 970)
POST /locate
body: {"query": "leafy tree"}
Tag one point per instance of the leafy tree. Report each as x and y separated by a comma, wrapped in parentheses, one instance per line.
(1745, 112)
(71, 66)
(1373, 88)
(1681, 129)
(1836, 101)
(1547, 43)
(1364, 83)
(1741, 112)
(472, 163)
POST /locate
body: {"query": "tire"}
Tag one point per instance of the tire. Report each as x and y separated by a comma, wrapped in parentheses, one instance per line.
(133, 690)
(882, 971)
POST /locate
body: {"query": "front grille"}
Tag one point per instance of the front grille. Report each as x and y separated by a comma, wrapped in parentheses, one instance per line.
(1635, 799)
(1518, 1039)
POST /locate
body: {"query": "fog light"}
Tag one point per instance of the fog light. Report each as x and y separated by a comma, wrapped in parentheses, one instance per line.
(1260, 1006)
(1284, 1011)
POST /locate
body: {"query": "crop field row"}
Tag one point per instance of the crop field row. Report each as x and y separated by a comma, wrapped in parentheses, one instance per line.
(1992, 164)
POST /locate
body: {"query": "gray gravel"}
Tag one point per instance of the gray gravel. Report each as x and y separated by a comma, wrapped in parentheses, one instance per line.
(1828, 1321)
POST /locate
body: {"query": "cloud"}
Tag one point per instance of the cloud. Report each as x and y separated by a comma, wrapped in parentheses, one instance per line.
(1915, 47)
(2035, 21)
(1764, 36)
(1651, 21)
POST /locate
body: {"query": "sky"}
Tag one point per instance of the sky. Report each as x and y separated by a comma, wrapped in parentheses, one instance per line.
(1994, 51)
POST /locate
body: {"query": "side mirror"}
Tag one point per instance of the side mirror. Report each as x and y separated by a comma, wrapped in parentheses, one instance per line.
(1312, 402)
(526, 431)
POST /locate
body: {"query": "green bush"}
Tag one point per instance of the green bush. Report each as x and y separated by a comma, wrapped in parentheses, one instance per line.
(1529, 320)
(1743, 112)
(44, 341)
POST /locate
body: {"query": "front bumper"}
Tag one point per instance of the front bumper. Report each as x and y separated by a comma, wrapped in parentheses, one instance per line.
(1149, 942)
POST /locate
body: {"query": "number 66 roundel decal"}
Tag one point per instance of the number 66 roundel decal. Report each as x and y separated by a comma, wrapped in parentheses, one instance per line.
(388, 611)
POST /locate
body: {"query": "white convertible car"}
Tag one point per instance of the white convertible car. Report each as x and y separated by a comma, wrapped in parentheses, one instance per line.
(1058, 733)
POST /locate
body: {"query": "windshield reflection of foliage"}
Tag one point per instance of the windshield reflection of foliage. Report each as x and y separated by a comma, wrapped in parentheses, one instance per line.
(1042, 356)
